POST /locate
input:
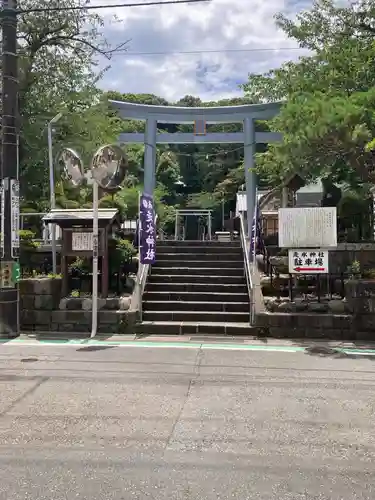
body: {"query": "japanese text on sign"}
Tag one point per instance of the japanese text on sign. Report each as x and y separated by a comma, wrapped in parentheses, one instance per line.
(147, 230)
(82, 242)
(308, 261)
(307, 227)
(15, 216)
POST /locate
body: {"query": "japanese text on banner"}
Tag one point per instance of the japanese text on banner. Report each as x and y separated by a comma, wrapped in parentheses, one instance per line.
(147, 230)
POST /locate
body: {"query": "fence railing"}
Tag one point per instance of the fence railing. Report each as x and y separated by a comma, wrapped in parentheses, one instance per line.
(247, 266)
(321, 286)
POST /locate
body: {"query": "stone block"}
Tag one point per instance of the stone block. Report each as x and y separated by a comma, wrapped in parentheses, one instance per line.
(86, 304)
(27, 317)
(44, 302)
(307, 320)
(46, 286)
(42, 328)
(342, 320)
(262, 320)
(68, 316)
(69, 327)
(112, 304)
(109, 317)
(318, 307)
(73, 303)
(367, 322)
(285, 333)
(325, 322)
(124, 303)
(35, 317)
(128, 322)
(27, 301)
(107, 328)
(26, 287)
(336, 306)
(43, 317)
(287, 307)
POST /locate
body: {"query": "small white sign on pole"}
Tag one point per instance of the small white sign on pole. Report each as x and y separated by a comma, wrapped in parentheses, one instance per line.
(15, 216)
(308, 261)
(307, 227)
(2, 229)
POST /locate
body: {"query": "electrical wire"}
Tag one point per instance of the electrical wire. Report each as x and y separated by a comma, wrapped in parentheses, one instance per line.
(123, 52)
(108, 6)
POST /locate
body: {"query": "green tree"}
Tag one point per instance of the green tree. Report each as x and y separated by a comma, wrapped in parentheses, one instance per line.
(168, 171)
(326, 120)
(58, 55)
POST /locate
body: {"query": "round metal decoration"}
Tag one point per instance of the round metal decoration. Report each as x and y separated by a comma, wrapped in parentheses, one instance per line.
(109, 167)
(70, 165)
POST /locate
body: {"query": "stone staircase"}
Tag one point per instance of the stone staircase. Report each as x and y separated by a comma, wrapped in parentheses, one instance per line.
(196, 287)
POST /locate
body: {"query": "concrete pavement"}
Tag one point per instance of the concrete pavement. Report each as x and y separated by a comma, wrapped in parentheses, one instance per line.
(102, 422)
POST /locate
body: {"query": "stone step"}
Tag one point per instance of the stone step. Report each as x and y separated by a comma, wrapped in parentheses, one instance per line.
(212, 249)
(236, 263)
(196, 287)
(199, 296)
(179, 305)
(189, 328)
(196, 271)
(197, 316)
(199, 243)
(178, 278)
(208, 257)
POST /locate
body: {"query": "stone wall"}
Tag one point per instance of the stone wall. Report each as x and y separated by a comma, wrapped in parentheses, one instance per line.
(350, 319)
(360, 299)
(358, 323)
(43, 310)
(309, 325)
(346, 253)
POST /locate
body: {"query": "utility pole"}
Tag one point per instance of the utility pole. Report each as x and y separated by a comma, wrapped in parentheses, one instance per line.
(9, 299)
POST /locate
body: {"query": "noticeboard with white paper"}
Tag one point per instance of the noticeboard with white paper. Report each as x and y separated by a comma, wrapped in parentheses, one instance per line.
(307, 227)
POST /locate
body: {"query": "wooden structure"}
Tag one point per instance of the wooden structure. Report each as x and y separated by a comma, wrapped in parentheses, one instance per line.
(76, 226)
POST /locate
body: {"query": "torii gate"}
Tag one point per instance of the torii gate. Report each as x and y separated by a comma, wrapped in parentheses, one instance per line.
(245, 114)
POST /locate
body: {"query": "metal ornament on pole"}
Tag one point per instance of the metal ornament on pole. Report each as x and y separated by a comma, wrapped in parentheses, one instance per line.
(108, 170)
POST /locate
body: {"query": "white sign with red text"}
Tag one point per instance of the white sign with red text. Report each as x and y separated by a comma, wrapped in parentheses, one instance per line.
(308, 261)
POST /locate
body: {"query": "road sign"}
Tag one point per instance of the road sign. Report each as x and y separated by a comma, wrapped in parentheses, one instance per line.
(16, 272)
(6, 276)
(307, 227)
(15, 216)
(308, 261)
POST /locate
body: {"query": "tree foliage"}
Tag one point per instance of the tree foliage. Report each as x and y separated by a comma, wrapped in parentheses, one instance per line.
(327, 119)
(58, 56)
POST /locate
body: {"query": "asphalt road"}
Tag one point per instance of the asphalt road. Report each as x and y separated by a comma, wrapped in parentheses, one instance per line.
(182, 424)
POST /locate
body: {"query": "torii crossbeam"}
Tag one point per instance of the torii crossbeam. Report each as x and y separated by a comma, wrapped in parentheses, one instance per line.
(246, 114)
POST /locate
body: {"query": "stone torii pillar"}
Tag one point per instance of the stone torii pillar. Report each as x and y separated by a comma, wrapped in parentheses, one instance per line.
(249, 165)
(150, 156)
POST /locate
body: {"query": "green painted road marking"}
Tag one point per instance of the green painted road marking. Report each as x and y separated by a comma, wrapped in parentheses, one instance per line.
(173, 345)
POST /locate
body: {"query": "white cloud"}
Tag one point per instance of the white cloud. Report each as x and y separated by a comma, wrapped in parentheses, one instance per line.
(230, 26)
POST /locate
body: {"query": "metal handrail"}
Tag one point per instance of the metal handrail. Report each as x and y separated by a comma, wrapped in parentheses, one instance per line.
(143, 272)
(247, 266)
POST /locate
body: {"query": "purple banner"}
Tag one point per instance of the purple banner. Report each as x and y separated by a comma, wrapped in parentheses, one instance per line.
(147, 230)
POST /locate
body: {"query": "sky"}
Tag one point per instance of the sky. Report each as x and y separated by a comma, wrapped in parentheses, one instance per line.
(205, 50)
